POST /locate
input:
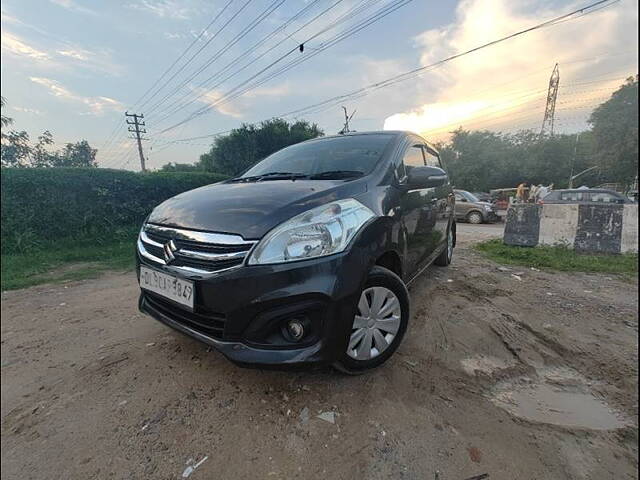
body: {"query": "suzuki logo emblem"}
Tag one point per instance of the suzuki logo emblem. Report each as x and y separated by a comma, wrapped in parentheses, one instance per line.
(169, 250)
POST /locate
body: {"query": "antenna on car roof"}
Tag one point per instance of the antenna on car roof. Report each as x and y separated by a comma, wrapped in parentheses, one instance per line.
(347, 119)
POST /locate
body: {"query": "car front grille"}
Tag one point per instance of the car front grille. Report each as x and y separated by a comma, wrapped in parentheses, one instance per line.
(208, 323)
(190, 250)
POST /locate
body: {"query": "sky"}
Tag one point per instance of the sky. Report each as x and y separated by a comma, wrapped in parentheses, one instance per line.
(75, 66)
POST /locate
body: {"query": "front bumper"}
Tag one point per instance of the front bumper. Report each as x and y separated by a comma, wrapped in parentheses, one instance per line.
(492, 216)
(240, 312)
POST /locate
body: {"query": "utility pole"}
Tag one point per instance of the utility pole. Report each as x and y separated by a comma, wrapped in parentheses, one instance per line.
(550, 109)
(573, 160)
(347, 119)
(134, 127)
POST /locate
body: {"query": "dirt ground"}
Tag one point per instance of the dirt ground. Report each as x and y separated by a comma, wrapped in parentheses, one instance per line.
(510, 372)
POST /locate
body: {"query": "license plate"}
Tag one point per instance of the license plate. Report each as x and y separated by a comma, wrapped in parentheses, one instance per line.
(168, 286)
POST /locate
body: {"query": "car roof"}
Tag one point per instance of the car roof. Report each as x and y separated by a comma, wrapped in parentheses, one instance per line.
(593, 190)
(394, 133)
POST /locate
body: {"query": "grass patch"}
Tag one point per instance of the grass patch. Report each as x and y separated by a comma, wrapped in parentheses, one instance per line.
(559, 258)
(66, 262)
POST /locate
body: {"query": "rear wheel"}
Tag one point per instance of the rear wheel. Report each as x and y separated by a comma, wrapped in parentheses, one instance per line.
(445, 257)
(474, 217)
(379, 324)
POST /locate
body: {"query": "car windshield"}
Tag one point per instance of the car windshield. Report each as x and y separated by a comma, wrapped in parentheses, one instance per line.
(470, 197)
(334, 157)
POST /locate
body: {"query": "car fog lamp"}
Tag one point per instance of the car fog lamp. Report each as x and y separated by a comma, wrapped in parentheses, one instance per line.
(295, 329)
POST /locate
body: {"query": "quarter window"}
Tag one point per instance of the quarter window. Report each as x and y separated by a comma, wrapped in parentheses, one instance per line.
(603, 197)
(431, 158)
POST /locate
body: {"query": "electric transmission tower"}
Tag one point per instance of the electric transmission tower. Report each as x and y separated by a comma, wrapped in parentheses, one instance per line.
(550, 109)
(134, 127)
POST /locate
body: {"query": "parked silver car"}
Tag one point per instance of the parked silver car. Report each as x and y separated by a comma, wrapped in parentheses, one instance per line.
(470, 209)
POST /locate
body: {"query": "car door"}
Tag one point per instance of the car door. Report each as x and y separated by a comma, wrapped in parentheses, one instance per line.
(441, 197)
(462, 206)
(417, 213)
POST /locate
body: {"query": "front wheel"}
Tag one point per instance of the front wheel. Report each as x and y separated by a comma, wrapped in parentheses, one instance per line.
(475, 218)
(379, 324)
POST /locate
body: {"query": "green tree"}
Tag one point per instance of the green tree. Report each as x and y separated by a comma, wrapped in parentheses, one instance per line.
(483, 160)
(245, 146)
(180, 167)
(615, 132)
(17, 150)
(79, 154)
(4, 120)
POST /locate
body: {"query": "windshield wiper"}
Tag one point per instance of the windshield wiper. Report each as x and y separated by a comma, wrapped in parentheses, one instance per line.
(336, 174)
(270, 176)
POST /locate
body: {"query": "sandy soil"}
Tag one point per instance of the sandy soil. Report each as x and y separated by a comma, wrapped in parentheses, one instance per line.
(510, 372)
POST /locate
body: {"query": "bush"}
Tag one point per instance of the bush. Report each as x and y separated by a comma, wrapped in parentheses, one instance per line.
(43, 206)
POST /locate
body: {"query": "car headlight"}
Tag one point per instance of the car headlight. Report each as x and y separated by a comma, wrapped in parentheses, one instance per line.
(488, 208)
(321, 231)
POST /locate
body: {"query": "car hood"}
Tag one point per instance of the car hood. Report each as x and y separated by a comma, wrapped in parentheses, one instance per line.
(250, 209)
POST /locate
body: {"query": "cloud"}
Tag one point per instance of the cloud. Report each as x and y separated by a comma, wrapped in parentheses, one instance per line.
(95, 105)
(60, 55)
(496, 86)
(73, 6)
(236, 107)
(31, 111)
(212, 96)
(163, 8)
(13, 45)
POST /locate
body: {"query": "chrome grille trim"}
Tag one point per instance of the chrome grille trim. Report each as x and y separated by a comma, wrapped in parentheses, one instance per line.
(190, 251)
(202, 237)
(212, 257)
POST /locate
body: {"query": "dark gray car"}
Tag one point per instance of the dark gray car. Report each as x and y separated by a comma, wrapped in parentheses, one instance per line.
(306, 257)
(470, 209)
(585, 195)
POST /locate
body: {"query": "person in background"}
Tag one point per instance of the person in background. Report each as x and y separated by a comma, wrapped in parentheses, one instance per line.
(521, 192)
(533, 194)
(542, 192)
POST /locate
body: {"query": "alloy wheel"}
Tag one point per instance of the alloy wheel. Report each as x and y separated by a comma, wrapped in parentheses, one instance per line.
(376, 323)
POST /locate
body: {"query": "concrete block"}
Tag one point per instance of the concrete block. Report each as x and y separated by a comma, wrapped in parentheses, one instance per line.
(599, 229)
(629, 243)
(523, 225)
(558, 224)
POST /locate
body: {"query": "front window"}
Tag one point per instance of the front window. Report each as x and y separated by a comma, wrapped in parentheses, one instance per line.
(355, 153)
(470, 197)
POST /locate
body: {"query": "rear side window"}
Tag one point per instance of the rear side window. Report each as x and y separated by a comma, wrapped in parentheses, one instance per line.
(573, 196)
(604, 197)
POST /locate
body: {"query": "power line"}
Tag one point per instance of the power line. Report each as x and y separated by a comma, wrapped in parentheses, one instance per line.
(234, 92)
(417, 71)
(259, 19)
(202, 47)
(206, 82)
(175, 62)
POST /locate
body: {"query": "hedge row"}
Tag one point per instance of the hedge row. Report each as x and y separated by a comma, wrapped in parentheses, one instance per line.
(42, 206)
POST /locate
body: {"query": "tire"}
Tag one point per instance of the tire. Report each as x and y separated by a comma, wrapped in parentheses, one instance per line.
(474, 218)
(444, 259)
(380, 281)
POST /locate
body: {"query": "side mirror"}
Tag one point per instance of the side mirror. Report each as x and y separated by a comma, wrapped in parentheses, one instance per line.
(425, 177)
